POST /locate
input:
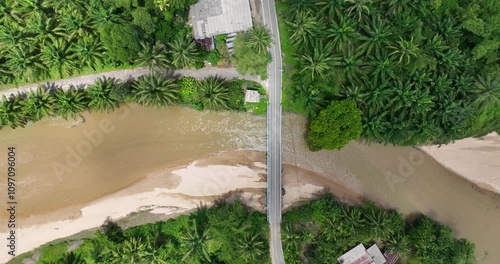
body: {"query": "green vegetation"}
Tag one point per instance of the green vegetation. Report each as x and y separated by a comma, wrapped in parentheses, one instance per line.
(320, 231)
(43, 40)
(106, 94)
(335, 126)
(225, 233)
(315, 232)
(420, 71)
(251, 55)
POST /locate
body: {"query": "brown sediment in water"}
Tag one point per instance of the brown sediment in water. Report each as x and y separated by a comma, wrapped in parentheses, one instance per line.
(405, 179)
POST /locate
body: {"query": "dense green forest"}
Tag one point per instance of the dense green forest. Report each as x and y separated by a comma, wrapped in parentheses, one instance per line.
(315, 232)
(106, 94)
(321, 231)
(47, 39)
(419, 70)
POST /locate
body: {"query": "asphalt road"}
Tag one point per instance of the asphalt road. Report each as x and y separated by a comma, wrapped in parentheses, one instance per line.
(274, 170)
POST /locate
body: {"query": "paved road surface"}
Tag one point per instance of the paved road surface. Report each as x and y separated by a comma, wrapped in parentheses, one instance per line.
(227, 73)
(274, 136)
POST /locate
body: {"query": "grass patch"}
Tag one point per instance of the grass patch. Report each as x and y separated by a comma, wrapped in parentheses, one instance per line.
(259, 108)
(289, 61)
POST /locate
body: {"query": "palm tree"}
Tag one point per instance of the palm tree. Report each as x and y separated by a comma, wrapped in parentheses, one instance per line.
(295, 6)
(155, 91)
(331, 8)
(11, 112)
(213, 93)
(399, 245)
(12, 35)
(355, 92)
(195, 244)
(101, 96)
(360, 7)
(130, 251)
(343, 33)
(405, 50)
(304, 28)
(101, 17)
(70, 258)
(43, 29)
(394, 7)
(351, 65)
(70, 102)
(291, 240)
(152, 56)
(436, 46)
(39, 104)
(59, 56)
(377, 36)
(317, 61)
(313, 100)
(250, 247)
(260, 39)
(377, 221)
(183, 52)
(374, 125)
(353, 217)
(487, 91)
(88, 51)
(403, 95)
(8, 14)
(26, 64)
(75, 23)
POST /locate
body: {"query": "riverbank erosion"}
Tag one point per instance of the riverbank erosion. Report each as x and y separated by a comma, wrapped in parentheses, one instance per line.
(476, 159)
(172, 191)
(159, 162)
(406, 179)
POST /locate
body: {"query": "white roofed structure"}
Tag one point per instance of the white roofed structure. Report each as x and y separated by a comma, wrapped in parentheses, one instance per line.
(214, 17)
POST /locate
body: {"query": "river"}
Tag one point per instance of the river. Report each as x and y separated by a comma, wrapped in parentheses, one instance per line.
(66, 163)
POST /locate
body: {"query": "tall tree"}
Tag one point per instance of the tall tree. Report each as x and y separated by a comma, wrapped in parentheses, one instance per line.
(317, 61)
(487, 91)
(195, 245)
(101, 96)
(260, 39)
(88, 51)
(38, 104)
(155, 91)
(153, 56)
(26, 64)
(59, 56)
(184, 53)
(11, 112)
(70, 102)
(213, 93)
(304, 28)
(405, 50)
(342, 33)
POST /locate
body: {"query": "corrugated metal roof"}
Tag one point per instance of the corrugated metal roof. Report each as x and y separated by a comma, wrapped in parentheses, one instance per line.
(214, 17)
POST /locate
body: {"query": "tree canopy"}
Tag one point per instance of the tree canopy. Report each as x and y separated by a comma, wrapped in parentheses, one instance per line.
(420, 71)
(335, 126)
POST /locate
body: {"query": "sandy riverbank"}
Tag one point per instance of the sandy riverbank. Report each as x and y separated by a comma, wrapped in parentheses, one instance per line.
(177, 190)
(475, 159)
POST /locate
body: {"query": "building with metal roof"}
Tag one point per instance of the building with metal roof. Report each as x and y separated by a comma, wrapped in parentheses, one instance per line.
(359, 255)
(214, 17)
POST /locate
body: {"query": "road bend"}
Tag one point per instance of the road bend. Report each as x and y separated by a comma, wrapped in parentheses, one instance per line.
(274, 168)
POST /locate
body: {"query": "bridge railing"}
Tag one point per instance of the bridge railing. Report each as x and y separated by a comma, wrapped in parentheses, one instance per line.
(268, 158)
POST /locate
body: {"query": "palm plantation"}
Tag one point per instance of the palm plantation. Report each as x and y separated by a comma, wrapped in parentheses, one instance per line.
(417, 76)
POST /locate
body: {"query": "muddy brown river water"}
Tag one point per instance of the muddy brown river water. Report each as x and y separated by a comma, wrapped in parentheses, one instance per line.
(64, 163)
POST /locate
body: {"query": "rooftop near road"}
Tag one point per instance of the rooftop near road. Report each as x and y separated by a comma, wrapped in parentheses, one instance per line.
(214, 17)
